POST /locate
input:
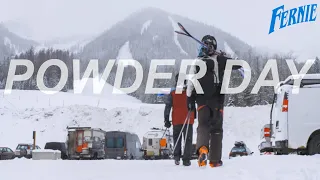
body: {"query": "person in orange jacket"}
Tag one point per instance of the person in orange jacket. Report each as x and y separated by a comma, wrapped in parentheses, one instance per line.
(179, 114)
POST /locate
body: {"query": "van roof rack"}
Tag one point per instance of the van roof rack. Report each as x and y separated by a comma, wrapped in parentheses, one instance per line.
(239, 143)
(78, 127)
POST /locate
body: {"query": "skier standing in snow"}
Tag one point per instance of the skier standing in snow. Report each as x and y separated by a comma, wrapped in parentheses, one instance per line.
(179, 114)
(210, 103)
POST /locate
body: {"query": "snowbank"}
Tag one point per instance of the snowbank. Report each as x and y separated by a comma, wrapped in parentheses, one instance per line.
(46, 154)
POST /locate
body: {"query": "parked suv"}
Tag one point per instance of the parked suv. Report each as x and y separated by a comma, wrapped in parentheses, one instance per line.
(239, 149)
(24, 150)
(61, 146)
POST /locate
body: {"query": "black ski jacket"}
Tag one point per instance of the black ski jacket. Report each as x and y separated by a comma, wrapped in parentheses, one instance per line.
(221, 61)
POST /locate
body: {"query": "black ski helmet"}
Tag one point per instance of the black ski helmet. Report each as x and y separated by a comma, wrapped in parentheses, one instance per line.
(211, 43)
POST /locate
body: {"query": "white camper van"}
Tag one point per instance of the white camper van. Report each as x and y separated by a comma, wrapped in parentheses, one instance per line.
(157, 144)
(295, 117)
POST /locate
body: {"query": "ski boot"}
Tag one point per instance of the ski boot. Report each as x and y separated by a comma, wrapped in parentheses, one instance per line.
(216, 164)
(186, 162)
(203, 156)
(177, 161)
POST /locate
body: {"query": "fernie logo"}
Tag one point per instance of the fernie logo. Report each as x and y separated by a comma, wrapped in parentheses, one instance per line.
(306, 13)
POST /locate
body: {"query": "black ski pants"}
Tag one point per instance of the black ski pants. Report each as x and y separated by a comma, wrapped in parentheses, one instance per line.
(187, 154)
(210, 126)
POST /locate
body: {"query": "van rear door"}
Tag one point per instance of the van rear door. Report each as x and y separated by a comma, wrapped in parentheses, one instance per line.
(72, 142)
(280, 122)
(115, 147)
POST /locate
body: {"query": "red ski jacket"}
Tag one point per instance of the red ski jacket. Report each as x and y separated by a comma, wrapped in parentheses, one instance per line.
(178, 103)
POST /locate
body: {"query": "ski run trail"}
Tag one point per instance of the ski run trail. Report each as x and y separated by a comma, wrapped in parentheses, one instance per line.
(24, 111)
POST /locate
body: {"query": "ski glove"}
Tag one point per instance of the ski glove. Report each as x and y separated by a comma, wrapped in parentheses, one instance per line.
(167, 124)
(191, 103)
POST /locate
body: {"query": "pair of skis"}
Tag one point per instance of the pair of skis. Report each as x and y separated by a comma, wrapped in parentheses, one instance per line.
(186, 33)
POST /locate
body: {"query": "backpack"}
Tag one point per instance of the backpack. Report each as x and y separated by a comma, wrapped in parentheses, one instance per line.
(210, 81)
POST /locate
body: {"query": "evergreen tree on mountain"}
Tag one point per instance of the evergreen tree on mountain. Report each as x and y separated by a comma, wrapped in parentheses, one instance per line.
(52, 74)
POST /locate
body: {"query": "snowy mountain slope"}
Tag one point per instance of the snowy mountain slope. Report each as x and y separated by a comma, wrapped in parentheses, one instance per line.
(145, 26)
(151, 36)
(159, 41)
(124, 53)
(229, 51)
(74, 44)
(246, 168)
(20, 28)
(11, 44)
(175, 35)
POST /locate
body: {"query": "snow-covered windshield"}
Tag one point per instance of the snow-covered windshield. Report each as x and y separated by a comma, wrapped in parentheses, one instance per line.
(238, 149)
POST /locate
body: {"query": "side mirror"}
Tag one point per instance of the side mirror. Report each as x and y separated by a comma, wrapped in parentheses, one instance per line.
(252, 152)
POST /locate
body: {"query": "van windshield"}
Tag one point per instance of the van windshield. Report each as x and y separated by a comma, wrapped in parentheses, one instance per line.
(117, 142)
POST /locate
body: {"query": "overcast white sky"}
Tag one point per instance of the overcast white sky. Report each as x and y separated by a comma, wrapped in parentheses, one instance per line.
(247, 19)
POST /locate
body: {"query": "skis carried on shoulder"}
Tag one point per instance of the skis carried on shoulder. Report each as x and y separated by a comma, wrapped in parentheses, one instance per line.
(186, 33)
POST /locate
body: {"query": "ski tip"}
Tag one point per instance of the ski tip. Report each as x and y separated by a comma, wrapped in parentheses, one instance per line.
(180, 25)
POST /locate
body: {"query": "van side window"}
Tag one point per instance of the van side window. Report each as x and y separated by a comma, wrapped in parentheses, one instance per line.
(138, 145)
(110, 143)
(120, 143)
(150, 142)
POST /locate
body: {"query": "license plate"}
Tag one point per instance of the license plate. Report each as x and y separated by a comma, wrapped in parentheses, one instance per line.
(150, 153)
(237, 155)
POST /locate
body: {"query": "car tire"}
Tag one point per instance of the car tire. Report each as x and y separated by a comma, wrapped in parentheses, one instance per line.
(314, 145)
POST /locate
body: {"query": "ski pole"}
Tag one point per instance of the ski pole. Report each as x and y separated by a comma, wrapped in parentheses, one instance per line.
(164, 133)
(185, 139)
(188, 116)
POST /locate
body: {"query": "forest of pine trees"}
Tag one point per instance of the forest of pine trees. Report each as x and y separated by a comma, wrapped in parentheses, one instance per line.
(53, 74)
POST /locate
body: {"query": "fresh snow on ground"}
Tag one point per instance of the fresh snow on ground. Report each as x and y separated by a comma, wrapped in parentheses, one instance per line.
(145, 26)
(244, 168)
(175, 35)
